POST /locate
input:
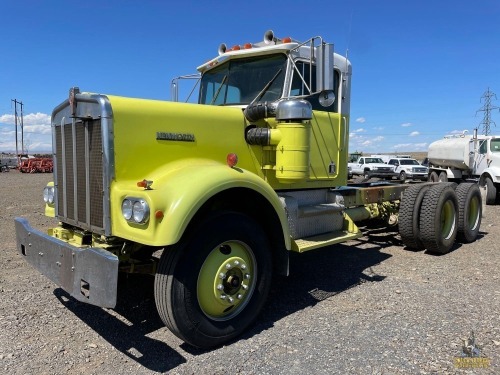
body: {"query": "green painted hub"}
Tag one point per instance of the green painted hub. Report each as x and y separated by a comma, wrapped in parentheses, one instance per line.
(474, 212)
(447, 219)
(226, 280)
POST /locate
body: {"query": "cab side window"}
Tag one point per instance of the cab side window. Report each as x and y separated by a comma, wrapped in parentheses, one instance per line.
(483, 147)
(300, 86)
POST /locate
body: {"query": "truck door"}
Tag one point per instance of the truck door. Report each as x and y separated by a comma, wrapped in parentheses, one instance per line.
(480, 157)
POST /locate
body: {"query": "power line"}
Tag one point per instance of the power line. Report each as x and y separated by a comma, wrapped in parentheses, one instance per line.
(487, 108)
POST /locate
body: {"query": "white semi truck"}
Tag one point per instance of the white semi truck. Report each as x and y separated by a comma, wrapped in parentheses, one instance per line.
(467, 157)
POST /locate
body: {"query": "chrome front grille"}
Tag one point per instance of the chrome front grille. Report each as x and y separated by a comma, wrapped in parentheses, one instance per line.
(79, 174)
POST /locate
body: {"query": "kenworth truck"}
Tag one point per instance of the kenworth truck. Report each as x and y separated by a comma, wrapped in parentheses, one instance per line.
(210, 198)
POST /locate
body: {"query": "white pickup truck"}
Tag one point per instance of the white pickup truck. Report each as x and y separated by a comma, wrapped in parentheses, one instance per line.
(370, 167)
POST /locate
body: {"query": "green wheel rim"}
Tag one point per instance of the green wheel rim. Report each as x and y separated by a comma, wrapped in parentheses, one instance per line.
(447, 219)
(226, 280)
(474, 212)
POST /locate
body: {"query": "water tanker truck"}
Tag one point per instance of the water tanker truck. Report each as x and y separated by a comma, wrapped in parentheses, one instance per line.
(467, 158)
(211, 198)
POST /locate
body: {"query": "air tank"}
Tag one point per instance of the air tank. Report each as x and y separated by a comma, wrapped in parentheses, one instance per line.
(450, 152)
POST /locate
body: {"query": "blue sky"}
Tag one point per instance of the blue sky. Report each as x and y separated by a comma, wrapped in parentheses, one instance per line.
(419, 67)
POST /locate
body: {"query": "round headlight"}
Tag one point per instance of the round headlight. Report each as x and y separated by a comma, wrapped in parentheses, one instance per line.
(141, 211)
(48, 194)
(127, 209)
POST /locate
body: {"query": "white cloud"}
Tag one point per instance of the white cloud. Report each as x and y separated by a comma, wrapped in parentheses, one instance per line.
(7, 119)
(37, 119)
(453, 132)
(420, 146)
(378, 128)
(40, 129)
(360, 130)
(411, 146)
(366, 143)
(414, 134)
(406, 124)
(37, 133)
(401, 145)
(378, 139)
(361, 120)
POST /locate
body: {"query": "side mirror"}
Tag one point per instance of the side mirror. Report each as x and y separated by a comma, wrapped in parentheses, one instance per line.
(324, 74)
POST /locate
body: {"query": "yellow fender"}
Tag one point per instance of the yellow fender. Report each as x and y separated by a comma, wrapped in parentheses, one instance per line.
(179, 190)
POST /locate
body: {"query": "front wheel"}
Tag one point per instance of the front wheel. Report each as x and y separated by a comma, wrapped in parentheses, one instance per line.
(402, 176)
(211, 285)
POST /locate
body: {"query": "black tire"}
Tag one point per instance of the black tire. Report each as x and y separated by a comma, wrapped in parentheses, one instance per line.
(238, 249)
(438, 219)
(469, 211)
(433, 177)
(491, 192)
(366, 175)
(443, 177)
(409, 216)
(402, 176)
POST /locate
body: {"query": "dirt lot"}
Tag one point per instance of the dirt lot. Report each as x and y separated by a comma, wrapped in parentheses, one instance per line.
(363, 307)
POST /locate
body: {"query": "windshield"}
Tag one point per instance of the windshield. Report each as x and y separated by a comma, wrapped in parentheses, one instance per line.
(241, 81)
(408, 162)
(373, 160)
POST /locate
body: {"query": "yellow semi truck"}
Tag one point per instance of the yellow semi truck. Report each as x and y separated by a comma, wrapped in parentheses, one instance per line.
(211, 197)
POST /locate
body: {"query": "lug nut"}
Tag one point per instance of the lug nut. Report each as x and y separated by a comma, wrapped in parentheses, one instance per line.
(245, 287)
(240, 296)
(231, 299)
(222, 296)
(247, 276)
(236, 263)
(222, 275)
(228, 266)
(243, 266)
(220, 287)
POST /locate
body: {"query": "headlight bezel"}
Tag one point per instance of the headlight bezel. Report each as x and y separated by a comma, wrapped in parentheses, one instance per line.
(135, 210)
(49, 194)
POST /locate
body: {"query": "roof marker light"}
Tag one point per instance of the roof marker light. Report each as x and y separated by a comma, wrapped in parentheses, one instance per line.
(287, 40)
(247, 45)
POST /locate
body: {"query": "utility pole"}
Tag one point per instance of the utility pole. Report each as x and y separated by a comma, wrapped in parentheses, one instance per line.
(16, 102)
(22, 130)
(487, 108)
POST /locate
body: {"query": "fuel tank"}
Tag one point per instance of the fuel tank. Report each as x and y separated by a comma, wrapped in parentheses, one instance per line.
(451, 152)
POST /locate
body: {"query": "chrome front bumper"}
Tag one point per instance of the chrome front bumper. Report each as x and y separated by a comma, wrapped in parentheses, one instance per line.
(88, 274)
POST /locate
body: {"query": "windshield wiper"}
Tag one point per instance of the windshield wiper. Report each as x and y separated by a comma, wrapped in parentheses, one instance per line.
(218, 90)
(266, 87)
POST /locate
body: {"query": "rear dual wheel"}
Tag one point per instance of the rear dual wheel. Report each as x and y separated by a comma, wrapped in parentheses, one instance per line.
(469, 211)
(409, 213)
(439, 218)
(212, 284)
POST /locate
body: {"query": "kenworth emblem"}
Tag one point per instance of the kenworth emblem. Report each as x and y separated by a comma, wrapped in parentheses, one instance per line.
(162, 136)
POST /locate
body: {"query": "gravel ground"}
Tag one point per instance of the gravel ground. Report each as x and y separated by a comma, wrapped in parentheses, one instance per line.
(364, 307)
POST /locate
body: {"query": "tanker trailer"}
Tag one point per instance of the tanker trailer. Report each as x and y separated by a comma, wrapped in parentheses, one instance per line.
(467, 158)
